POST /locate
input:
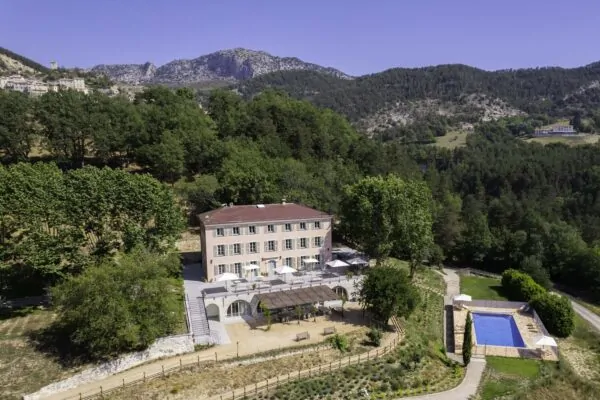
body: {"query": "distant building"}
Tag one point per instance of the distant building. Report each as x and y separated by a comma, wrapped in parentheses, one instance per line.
(555, 130)
(53, 65)
(38, 87)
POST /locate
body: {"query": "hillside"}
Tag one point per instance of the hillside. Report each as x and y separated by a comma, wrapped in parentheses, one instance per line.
(13, 63)
(225, 65)
(401, 95)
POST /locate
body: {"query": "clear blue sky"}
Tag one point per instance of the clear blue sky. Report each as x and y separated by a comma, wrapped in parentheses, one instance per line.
(355, 36)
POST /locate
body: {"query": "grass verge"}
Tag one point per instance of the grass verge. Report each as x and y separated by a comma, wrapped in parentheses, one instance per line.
(481, 288)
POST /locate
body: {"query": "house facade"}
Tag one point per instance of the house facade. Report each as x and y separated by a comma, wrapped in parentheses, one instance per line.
(253, 240)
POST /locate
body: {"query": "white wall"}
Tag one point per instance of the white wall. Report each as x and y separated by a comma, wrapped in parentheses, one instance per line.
(163, 347)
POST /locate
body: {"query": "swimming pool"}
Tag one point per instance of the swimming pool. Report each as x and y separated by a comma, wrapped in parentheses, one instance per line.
(497, 330)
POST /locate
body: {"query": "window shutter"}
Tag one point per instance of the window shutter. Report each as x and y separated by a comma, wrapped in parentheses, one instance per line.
(322, 241)
(214, 232)
(215, 251)
(242, 249)
(216, 270)
(248, 248)
(230, 250)
(266, 245)
(257, 247)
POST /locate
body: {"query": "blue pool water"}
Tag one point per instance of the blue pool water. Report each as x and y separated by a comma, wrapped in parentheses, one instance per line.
(497, 330)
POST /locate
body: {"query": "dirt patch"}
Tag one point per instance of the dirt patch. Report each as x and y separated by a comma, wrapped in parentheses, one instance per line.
(582, 360)
(210, 380)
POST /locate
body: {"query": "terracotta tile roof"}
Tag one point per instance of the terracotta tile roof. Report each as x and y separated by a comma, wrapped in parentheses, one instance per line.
(258, 213)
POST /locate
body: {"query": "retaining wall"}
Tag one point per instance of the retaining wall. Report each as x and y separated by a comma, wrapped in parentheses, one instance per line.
(163, 347)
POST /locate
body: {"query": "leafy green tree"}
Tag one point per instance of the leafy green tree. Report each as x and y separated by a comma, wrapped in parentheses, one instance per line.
(386, 291)
(69, 122)
(53, 224)
(119, 305)
(468, 340)
(166, 158)
(16, 125)
(385, 215)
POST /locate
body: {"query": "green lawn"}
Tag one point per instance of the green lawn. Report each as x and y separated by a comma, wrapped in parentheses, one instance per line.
(481, 288)
(507, 376)
(515, 366)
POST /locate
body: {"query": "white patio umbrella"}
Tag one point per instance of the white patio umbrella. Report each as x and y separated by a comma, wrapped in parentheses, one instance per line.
(310, 261)
(284, 269)
(357, 261)
(462, 297)
(545, 341)
(251, 267)
(227, 276)
(336, 264)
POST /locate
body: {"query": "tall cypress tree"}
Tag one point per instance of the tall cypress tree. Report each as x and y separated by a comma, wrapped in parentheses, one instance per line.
(468, 340)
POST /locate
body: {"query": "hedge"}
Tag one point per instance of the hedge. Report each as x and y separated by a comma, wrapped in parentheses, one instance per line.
(556, 312)
(519, 286)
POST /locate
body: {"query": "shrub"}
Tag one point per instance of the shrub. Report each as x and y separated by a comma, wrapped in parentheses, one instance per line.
(339, 342)
(520, 286)
(556, 313)
(468, 340)
(374, 336)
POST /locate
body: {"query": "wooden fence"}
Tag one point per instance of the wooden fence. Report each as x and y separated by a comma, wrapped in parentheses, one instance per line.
(258, 387)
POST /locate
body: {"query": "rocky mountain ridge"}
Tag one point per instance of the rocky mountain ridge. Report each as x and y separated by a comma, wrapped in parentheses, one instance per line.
(226, 65)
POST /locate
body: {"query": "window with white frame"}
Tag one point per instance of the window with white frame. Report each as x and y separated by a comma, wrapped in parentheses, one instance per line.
(288, 244)
(289, 261)
(237, 269)
(252, 230)
(235, 230)
(317, 224)
(252, 247)
(221, 250)
(220, 232)
(318, 258)
(303, 243)
(317, 241)
(221, 269)
(288, 227)
(237, 249)
(270, 228)
(271, 246)
(302, 226)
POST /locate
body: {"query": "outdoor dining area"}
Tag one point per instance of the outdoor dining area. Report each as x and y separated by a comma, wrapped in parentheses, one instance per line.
(295, 304)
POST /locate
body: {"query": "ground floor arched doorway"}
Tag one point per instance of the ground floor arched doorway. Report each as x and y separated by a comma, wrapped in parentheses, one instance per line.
(213, 312)
(238, 308)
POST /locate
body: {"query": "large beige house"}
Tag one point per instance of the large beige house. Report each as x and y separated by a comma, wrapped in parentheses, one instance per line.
(252, 240)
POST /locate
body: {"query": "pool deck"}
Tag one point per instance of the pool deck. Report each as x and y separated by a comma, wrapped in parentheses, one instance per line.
(526, 323)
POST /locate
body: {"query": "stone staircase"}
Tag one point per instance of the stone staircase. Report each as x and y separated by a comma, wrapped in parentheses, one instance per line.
(198, 320)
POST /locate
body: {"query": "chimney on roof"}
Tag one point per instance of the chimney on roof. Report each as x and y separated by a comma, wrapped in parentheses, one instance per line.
(283, 201)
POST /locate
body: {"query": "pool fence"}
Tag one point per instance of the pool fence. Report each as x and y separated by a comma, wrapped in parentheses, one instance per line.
(504, 351)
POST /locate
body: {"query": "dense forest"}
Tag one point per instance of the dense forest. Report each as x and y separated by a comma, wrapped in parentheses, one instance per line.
(553, 91)
(499, 202)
